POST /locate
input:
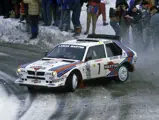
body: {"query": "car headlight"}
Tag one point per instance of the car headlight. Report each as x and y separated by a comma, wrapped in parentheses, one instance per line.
(19, 70)
(54, 73)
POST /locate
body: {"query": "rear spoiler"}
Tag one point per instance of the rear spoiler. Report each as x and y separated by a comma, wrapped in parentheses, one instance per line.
(104, 36)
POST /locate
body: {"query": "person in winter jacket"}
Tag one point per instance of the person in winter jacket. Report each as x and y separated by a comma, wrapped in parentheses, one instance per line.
(102, 11)
(47, 11)
(33, 10)
(92, 13)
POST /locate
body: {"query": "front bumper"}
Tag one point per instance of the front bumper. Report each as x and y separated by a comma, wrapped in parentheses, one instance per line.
(40, 83)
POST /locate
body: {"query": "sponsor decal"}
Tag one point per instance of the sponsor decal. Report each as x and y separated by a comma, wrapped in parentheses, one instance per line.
(98, 60)
(94, 65)
(72, 46)
(51, 62)
(111, 66)
(38, 67)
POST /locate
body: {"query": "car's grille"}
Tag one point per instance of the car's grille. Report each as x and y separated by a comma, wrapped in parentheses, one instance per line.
(36, 73)
(31, 73)
(39, 78)
(40, 73)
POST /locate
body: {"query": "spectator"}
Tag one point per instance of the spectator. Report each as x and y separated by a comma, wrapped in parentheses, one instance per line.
(136, 16)
(47, 12)
(102, 11)
(55, 15)
(92, 12)
(16, 8)
(58, 13)
(152, 30)
(75, 6)
(124, 22)
(65, 15)
(22, 11)
(146, 16)
(114, 20)
(33, 8)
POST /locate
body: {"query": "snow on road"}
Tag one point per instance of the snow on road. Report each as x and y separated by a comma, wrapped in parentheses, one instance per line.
(42, 108)
(4, 54)
(9, 105)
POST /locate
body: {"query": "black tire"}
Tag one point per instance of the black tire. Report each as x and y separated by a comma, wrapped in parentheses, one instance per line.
(123, 74)
(69, 82)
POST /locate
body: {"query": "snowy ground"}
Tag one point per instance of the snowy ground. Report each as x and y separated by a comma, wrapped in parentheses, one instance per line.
(12, 31)
(137, 99)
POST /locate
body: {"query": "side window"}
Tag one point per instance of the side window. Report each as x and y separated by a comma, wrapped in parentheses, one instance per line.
(95, 52)
(113, 50)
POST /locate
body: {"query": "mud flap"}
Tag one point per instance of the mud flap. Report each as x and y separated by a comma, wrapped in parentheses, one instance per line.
(81, 85)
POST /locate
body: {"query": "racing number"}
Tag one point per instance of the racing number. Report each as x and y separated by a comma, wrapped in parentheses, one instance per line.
(99, 68)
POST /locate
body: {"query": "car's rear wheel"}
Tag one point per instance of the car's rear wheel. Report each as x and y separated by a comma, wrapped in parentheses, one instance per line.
(123, 74)
(72, 82)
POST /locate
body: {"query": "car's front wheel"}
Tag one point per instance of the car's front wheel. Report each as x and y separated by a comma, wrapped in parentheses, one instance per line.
(72, 82)
(123, 74)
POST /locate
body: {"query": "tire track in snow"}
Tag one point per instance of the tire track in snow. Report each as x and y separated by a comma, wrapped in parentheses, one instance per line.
(11, 89)
(42, 107)
(9, 105)
(4, 54)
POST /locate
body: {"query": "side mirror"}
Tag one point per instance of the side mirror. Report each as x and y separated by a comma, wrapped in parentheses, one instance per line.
(46, 53)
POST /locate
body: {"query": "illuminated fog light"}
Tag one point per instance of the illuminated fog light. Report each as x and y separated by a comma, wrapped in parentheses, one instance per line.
(54, 73)
(18, 70)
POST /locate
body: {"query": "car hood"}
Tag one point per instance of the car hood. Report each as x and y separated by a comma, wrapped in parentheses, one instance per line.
(46, 64)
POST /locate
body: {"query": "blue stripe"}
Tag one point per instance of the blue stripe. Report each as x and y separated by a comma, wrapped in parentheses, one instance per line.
(64, 71)
(54, 68)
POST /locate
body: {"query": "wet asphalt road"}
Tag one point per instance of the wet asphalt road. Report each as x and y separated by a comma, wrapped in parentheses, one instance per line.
(136, 99)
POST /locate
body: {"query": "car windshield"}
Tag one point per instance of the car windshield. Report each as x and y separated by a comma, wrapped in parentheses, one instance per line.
(75, 52)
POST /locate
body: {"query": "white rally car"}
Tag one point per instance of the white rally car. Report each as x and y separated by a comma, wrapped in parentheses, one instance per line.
(74, 61)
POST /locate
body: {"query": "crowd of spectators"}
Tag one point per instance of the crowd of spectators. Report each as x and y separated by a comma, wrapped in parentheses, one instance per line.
(135, 14)
(54, 12)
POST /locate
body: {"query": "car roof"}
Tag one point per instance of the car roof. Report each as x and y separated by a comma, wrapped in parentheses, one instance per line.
(87, 41)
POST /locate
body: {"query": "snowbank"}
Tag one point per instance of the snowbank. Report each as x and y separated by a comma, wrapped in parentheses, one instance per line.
(12, 31)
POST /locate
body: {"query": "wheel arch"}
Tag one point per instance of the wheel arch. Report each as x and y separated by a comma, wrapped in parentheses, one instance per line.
(129, 66)
(78, 73)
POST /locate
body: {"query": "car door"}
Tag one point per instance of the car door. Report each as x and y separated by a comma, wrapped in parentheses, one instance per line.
(95, 60)
(114, 53)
